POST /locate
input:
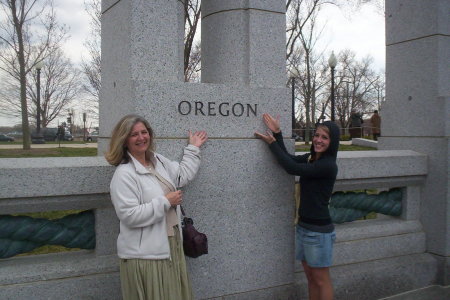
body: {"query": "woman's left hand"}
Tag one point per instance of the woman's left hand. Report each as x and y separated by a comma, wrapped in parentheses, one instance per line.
(198, 138)
(268, 137)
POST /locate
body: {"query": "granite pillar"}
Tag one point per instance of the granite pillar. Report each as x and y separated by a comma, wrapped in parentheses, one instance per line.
(417, 109)
(240, 198)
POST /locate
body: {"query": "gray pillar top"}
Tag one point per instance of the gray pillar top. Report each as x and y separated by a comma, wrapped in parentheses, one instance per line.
(244, 42)
(409, 20)
(215, 6)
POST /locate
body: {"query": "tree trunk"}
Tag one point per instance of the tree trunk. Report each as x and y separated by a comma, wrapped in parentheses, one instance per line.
(23, 79)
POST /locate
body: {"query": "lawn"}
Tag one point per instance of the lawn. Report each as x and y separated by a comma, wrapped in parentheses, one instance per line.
(19, 142)
(305, 148)
(48, 152)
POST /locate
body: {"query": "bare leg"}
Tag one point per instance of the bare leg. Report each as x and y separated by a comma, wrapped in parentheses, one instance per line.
(321, 281)
(313, 292)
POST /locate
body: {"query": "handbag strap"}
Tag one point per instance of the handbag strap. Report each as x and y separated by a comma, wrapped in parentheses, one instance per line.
(182, 211)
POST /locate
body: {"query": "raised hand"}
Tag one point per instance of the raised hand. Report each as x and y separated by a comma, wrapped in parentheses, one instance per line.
(198, 138)
(272, 123)
(268, 137)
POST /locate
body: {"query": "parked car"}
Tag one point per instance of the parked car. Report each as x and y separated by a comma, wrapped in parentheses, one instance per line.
(15, 134)
(92, 137)
(6, 138)
(51, 134)
(67, 136)
(297, 137)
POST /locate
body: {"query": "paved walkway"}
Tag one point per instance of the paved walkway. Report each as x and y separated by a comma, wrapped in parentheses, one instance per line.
(434, 292)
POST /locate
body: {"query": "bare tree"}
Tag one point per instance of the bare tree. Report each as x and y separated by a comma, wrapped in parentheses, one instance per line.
(312, 92)
(10, 104)
(379, 91)
(192, 54)
(29, 33)
(305, 59)
(59, 86)
(355, 86)
(192, 72)
(298, 15)
(91, 65)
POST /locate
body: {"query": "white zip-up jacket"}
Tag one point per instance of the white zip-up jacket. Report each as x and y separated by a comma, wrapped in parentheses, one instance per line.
(141, 205)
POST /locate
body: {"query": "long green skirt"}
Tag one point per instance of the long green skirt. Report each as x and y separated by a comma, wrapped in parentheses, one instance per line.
(165, 279)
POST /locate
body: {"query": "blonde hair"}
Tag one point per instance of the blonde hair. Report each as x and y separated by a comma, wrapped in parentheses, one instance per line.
(117, 152)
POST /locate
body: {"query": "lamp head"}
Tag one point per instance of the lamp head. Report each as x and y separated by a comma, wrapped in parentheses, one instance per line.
(293, 72)
(39, 65)
(332, 61)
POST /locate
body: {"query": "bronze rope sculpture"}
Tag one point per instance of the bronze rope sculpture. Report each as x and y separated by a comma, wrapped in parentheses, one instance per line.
(350, 206)
(20, 234)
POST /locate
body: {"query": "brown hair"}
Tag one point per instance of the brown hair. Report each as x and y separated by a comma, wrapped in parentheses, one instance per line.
(117, 152)
(325, 128)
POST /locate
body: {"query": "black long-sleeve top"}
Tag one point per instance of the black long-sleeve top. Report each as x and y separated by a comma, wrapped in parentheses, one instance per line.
(317, 179)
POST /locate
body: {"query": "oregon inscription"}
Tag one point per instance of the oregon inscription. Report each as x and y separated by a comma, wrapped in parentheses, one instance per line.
(212, 108)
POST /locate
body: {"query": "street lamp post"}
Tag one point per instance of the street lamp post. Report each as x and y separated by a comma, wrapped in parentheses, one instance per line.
(39, 139)
(332, 62)
(84, 127)
(294, 74)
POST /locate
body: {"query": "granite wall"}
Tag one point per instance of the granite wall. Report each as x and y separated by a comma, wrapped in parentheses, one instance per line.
(241, 199)
(417, 109)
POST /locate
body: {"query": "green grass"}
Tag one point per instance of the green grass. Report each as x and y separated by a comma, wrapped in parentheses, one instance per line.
(48, 152)
(370, 216)
(305, 148)
(19, 142)
(11, 143)
(47, 249)
(65, 142)
(50, 215)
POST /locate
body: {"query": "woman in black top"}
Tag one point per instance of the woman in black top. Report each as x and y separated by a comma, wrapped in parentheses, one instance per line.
(317, 170)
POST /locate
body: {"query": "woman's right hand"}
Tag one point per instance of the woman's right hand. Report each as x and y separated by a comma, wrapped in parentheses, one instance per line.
(198, 138)
(175, 198)
(272, 123)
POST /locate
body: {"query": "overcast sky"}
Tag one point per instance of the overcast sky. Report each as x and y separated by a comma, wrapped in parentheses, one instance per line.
(362, 32)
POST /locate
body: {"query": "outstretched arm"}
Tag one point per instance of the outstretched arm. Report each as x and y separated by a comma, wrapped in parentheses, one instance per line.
(184, 171)
(297, 165)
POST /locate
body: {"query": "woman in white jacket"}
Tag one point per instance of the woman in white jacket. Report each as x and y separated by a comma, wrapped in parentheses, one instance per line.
(145, 196)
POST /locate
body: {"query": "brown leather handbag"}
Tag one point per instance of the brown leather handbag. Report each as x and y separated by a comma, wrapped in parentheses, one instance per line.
(195, 243)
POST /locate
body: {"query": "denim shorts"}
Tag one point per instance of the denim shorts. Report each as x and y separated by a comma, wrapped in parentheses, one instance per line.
(316, 248)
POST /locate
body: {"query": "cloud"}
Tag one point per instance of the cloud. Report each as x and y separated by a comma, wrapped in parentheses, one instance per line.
(73, 14)
(363, 32)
